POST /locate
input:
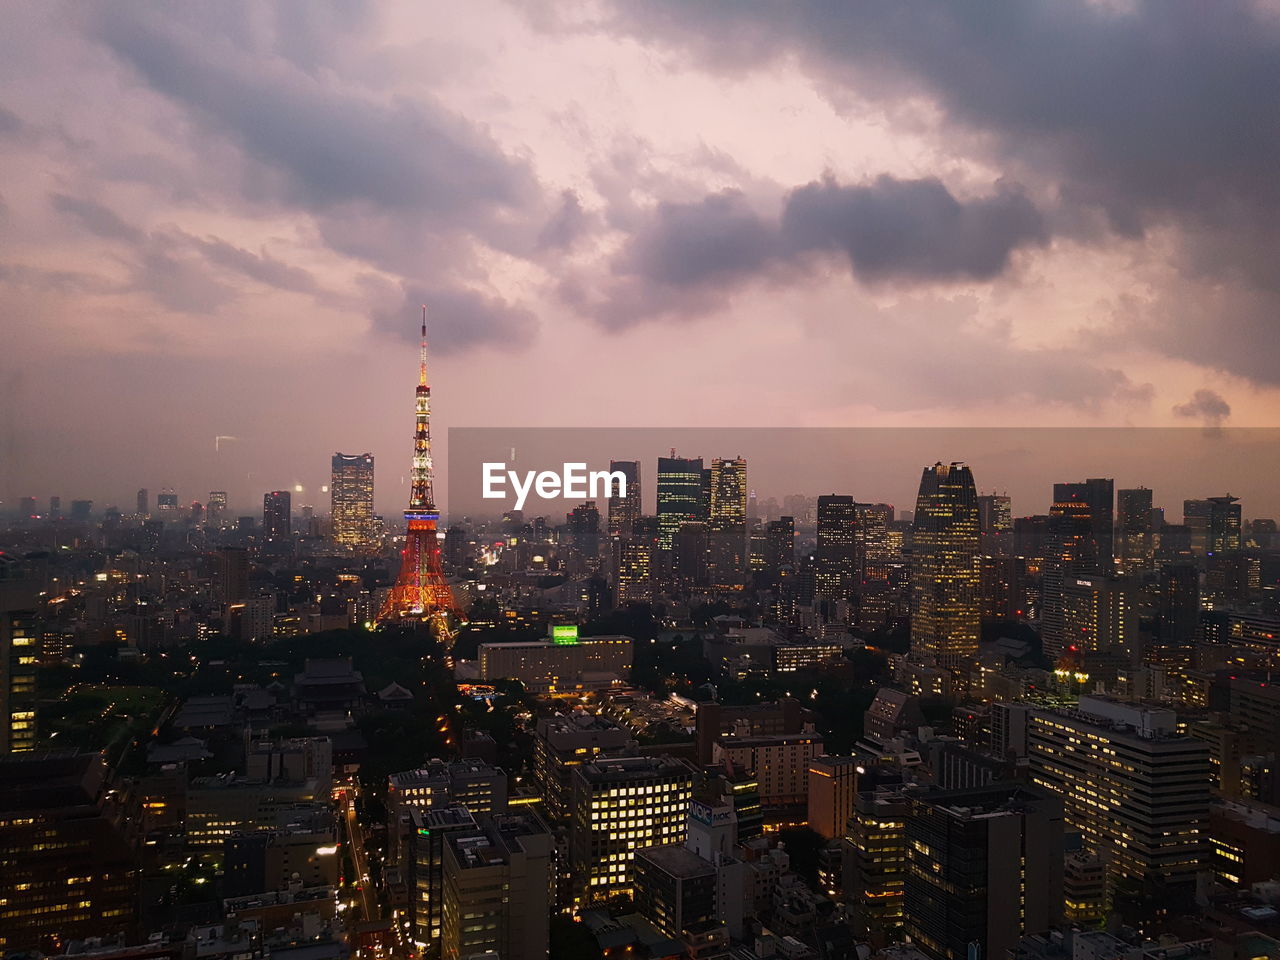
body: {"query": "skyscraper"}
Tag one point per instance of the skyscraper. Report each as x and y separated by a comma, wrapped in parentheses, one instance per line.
(1177, 617)
(69, 873)
(727, 524)
(497, 890)
(1136, 790)
(984, 869)
(232, 583)
(1224, 524)
(217, 505)
(1101, 494)
(351, 498)
(19, 649)
(1133, 527)
(1100, 614)
(834, 558)
(167, 503)
(144, 502)
(780, 547)
(680, 496)
(277, 513)
(1072, 548)
(635, 562)
(944, 567)
(995, 523)
(583, 524)
(625, 511)
(620, 806)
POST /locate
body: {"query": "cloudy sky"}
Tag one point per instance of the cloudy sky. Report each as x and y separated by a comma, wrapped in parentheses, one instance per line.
(219, 220)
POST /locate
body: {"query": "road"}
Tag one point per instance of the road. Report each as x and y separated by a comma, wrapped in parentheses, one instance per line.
(355, 837)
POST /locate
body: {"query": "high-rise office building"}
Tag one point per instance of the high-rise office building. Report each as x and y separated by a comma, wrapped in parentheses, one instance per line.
(562, 743)
(277, 513)
(232, 583)
(620, 806)
(727, 524)
(944, 567)
(871, 550)
(1102, 511)
(144, 502)
(690, 554)
(675, 889)
(1224, 525)
(984, 869)
(995, 523)
(1072, 548)
(497, 890)
(351, 498)
(1135, 543)
(68, 873)
(216, 508)
(875, 861)
(779, 547)
(55, 508)
(680, 496)
(1100, 615)
(583, 526)
(81, 510)
(635, 563)
(19, 653)
(834, 561)
(625, 511)
(833, 787)
(1214, 524)
(1177, 615)
(1136, 790)
(430, 828)
(167, 503)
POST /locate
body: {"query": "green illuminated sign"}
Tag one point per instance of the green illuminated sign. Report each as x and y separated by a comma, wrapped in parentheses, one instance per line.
(565, 633)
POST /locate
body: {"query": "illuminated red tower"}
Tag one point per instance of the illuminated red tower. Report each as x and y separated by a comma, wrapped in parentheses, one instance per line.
(421, 592)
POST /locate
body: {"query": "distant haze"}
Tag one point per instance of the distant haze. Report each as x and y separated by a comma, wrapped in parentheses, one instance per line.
(221, 219)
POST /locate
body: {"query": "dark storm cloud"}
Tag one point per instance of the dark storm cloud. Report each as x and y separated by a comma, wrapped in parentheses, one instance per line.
(1156, 113)
(10, 122)
(685, 244)
(64, 282)
(1150, 104)
(403, 184)
(180, 270)
(915, 231)
(567, 224)
(1205, 405)
(332, 146)
(456, 319)
(912, 229)
(96, 218)
(261, 267)
(180, 283)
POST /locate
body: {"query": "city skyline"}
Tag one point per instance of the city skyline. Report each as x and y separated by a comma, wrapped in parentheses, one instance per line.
(1020, 258)
(833, 515)
(872, 465)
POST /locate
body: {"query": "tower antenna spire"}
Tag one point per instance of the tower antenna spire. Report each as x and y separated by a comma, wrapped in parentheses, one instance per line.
(422, 353)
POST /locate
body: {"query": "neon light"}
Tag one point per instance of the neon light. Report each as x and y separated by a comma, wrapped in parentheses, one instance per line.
(565, 633)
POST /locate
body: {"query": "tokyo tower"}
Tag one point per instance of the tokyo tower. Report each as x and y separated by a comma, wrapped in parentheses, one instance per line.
(421, 592)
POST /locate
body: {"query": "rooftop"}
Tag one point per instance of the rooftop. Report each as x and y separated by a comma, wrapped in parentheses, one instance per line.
(676, 860)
